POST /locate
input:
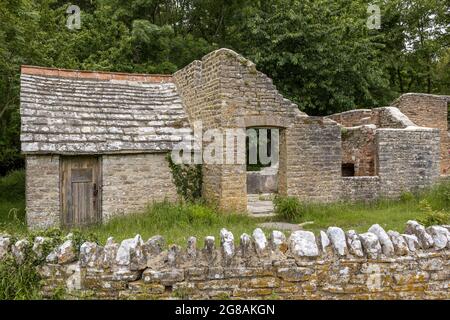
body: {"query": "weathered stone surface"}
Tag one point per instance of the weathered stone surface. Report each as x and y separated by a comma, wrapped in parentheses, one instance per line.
(303, 244)
(386, 244)
(131, 254)
(371, 245)
(19, 250)
(109, 253)
(277, 240)
(425, 240)
(192, 247)
(440, 236)
(354, 243)
(324, 241)
(5, 244)
(260, 241)
(412, 242)
(66, 252)
(173, 255)
(210, 244)
(90, 254)
(245, 244)
(38, 246)
(155, 245)
(52, 257)
(227, 243)
(165, 277)
(400, 246)
(337, 238)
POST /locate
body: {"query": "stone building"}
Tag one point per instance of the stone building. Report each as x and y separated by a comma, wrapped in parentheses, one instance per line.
(96, 142)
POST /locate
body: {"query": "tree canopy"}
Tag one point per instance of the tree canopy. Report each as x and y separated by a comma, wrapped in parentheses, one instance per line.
(320, 53)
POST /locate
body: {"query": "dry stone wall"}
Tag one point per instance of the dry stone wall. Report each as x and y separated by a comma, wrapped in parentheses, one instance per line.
(334, 265)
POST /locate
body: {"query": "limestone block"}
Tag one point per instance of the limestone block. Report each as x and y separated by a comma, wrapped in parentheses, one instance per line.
(337, 238)
(386, 243)
(371, 245)
(425, 240)
(303, 244)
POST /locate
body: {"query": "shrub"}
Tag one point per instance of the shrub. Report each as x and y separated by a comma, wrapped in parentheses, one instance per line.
(433, 217)
(288, 208)
(187, 179)
(201, 214)
(407, 196)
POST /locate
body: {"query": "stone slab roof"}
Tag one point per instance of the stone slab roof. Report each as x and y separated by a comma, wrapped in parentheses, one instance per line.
(75, 112)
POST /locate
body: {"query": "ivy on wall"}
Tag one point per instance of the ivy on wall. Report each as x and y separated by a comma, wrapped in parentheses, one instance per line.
(188, 179)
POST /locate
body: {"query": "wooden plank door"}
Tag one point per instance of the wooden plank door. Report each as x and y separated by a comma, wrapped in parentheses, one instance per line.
(80, 191)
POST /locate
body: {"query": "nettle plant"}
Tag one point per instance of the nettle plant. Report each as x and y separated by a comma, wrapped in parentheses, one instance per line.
(187, 178)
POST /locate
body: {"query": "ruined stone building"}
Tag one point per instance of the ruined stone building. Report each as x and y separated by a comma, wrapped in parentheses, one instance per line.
(96, 142)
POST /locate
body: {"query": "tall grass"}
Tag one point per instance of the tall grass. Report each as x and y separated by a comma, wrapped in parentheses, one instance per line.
(176, 222)
(12, 202)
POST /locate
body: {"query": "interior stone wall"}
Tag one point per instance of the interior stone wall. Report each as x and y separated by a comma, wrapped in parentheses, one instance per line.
(358, 148)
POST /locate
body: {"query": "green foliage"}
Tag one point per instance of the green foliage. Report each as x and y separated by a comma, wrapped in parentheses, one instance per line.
(288, 208)
(319, 52)
(12, 201)
(187, 179)
(176, 222)
(12, 186)
(19, 282)
(433, 217)
(407, 196)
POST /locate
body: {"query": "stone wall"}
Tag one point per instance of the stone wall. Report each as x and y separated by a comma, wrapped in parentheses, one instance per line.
(42, 191)
(384, 117)
(224, 90)
(334, 265)
(360, 188)
(130, 183)
(408, 159)
(133, 181)
(310, 161)
(358, 148)
(428, 111)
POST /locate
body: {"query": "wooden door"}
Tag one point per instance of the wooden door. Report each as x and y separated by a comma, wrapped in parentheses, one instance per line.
(80, 191)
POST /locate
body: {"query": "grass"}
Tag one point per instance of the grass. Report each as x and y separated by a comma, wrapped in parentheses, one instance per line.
(12, 202)
(177, 222)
